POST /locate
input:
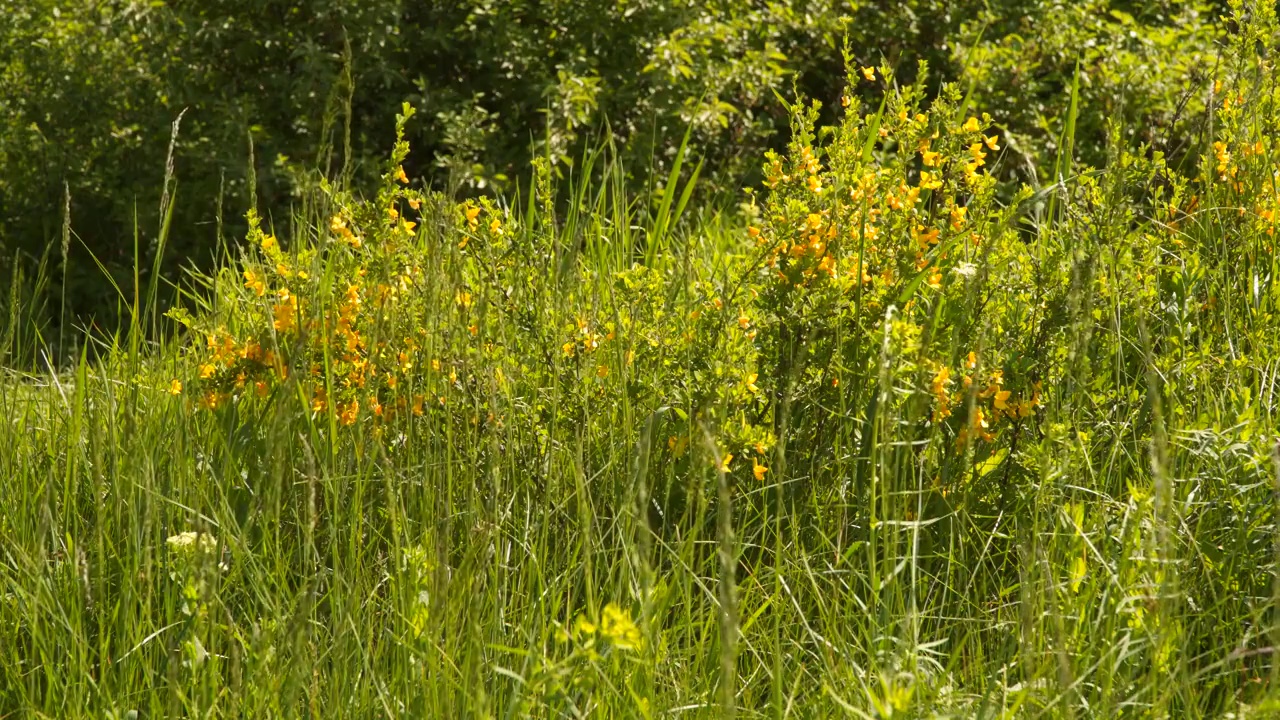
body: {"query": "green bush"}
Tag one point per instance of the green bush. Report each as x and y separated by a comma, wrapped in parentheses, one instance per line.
(89, 96)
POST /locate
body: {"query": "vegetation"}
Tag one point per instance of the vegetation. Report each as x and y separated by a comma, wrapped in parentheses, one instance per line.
(964, 407)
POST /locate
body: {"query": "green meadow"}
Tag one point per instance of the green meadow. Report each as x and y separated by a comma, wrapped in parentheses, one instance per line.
(933, 414)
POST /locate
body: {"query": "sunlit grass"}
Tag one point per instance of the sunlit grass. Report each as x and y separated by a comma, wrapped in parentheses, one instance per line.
(884, 444)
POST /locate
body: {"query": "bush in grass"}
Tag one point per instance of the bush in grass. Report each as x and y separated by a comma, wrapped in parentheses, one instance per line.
(884, 366)
(90, 95)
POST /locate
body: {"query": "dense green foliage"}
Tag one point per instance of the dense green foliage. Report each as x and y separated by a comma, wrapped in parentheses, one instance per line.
(964, 407)
(89, 95)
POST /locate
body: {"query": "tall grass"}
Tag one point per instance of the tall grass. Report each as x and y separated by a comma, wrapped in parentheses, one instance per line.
(551, 463)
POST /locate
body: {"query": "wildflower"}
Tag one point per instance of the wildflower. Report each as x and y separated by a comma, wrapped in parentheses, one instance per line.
(254, 283)
(583, 626)
(269, 244)
(753, 231)
(401, 176)
(925, 236)
(617, 626)
(995, 385)
(1002, 400)
(976, 151)
(935, 279)
(971, 361)
(869, 73)
(930, 158)
(261, 388)
(940, 382)
(958, 216)
(190, 543)
(347, 415)
(495, 227)
(758, 470)
(971, 125)
(992, 142)
(930, 181)
(207, 371)
(285, 311)
(815, 185)
(602, 371)
(723, 464)
(415, 203)
(472, 213)
(750, 383)
(175, 387)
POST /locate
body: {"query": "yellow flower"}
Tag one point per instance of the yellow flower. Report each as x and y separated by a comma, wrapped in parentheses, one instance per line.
(926, 236)
(930, 181)
(617, 626)
(285, 312)
(207, 370)
(815, 185)
(957, 217)
(583, 626)
(976, 151)
(935, 279)
(869, 73)
(744, 322)
(930, 158)
(254, 283)
(723, 465)
(472, 213)
(348, 414)
(1002, 400)
(401, 176)
(971, 125)
(269, 243)
(602, 371)
(750, 384)
(415, 203)
(175, 387)
(992, 142)
(758, 470)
